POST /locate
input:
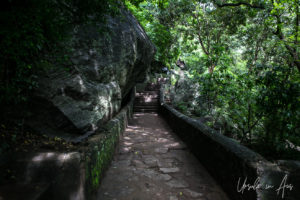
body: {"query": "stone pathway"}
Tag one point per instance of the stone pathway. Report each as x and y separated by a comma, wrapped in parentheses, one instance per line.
(153, 164)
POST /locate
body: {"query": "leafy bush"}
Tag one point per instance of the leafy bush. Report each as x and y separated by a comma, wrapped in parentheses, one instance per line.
(182, 106)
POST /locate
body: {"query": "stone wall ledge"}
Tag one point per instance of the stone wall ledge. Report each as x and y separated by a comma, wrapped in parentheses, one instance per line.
(233, 164)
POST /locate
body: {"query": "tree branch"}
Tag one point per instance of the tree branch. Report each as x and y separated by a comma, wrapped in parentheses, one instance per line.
(292, 51)
(297, 24)
(199, 36)
(202, 44)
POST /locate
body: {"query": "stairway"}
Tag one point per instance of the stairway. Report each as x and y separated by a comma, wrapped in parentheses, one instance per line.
(147, 101)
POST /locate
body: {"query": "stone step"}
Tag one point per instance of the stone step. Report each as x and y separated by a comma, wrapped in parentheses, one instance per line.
(147, 93)
(146, 106)
(155, 103)
(147, 98)
(146, 110)
(148, 101)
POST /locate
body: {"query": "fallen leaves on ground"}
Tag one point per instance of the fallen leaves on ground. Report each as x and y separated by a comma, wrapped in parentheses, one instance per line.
(14, 138)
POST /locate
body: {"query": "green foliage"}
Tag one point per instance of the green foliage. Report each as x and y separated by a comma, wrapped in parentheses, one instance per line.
(182, 106)
(244, 55)
(279, 102)
(174, 79)
(153, 17)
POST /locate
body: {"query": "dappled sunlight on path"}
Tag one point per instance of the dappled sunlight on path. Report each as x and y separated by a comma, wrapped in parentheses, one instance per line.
(152, 163)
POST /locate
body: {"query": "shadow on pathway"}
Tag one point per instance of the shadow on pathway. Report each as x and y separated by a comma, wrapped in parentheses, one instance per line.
(152, 163)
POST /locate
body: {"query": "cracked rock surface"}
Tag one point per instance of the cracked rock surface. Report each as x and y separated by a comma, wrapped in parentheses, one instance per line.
(153, 163)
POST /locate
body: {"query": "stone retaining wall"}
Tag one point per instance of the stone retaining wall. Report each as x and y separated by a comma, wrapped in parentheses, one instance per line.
(101, 148)
(229, 162)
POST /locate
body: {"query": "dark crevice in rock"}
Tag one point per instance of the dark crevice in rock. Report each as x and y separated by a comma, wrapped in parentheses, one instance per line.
(126, 98)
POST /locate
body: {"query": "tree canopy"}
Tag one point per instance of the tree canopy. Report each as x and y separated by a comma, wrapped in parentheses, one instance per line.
(243, 54)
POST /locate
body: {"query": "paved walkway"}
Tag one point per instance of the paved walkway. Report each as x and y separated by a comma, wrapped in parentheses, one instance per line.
(153, 164)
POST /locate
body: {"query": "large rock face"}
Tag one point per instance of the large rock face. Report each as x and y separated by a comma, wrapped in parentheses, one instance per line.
(107, 61)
